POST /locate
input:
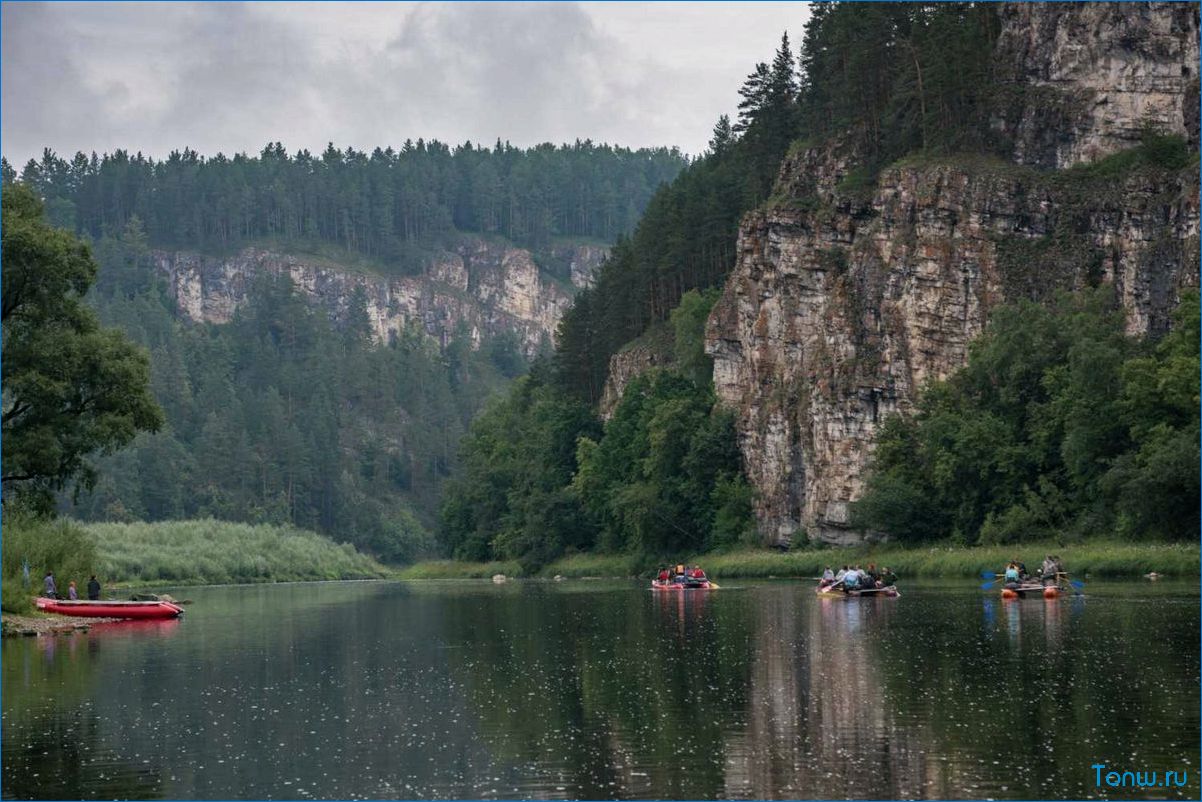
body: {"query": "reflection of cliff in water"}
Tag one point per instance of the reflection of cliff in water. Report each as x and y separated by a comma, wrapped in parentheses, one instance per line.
(819, 720)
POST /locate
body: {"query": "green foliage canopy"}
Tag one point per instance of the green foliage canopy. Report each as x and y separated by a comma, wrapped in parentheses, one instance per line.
(1060, 424)
(71, 387)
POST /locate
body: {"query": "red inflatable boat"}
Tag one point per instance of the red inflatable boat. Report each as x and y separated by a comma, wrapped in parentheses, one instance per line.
(110, 609)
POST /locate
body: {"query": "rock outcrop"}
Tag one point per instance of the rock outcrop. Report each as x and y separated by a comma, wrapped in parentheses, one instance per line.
(625, 366)
(480, 289)
(1085, 79)
(842, 305)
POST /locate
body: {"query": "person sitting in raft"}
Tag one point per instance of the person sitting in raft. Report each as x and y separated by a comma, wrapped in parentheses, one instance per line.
(1047, 571)
(697, 573)
(872, 576)
(839, 576)
(851, 580)
(678, 574)
(1012, 575)
(827, 579)
(663, 575)
(888, 578)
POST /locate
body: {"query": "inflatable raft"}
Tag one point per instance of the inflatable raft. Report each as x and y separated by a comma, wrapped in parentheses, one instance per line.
(110, 609)
(690, 585)
(832, 592)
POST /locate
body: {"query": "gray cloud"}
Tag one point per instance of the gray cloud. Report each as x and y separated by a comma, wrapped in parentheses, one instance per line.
(231, 77)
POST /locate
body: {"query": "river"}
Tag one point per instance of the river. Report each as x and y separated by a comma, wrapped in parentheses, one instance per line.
(603, 689)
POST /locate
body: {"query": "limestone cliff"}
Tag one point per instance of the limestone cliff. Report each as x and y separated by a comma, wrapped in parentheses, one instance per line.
(1085, 78)
(481, 288)
(843, 304)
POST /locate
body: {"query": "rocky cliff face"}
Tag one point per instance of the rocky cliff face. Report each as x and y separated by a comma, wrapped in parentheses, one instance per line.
(481, 289)
(1085, 78)
(841, 306)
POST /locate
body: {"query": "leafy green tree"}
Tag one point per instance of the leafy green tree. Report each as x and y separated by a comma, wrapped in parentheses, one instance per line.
(1059, 424)
(71, 387)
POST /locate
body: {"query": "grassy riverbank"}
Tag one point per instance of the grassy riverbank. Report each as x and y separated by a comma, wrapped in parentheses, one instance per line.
(1100, 558)
(203, 552)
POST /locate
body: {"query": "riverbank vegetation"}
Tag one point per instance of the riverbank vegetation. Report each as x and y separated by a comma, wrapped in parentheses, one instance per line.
(39, 544)
(1104, 558)
(204, 552)
(196, 552)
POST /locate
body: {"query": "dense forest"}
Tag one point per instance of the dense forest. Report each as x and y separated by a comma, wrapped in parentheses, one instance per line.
(888, 80)
(389, 205)
(282, 416)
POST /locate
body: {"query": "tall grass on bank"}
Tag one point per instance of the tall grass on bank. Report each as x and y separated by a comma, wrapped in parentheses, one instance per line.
(452, 569)
(1101, 558)
(219, 552)
(46, 544)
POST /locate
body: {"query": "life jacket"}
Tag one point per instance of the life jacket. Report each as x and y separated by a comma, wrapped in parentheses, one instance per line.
(851, 580)
(1011, 574)
(663, 575)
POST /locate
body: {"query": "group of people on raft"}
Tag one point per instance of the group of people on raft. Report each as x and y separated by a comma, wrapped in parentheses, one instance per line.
(680, 575)
(1049, 573)
(851, 578)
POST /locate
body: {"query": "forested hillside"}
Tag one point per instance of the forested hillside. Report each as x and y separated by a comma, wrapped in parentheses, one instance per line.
(287, 415)
(283, 416)
(875, 84)
(389, 205)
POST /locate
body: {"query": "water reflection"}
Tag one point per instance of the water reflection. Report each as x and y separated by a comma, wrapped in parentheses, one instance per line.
(582, 691)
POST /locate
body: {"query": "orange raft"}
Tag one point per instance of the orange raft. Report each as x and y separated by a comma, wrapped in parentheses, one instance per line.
(110, 609)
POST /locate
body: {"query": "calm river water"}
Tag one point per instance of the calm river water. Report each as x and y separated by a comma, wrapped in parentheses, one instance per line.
(591, 689)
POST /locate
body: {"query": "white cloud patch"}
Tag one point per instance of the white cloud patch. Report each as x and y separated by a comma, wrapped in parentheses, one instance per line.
(230, 77)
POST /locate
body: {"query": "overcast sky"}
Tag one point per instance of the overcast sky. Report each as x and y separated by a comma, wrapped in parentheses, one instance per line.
(230, 77)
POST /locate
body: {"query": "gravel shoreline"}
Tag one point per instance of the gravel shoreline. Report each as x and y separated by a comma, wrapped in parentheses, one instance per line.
(12, 625)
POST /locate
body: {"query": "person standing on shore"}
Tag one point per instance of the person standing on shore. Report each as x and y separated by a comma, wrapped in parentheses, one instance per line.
(93, 589)
(51, 590)
(72, 594)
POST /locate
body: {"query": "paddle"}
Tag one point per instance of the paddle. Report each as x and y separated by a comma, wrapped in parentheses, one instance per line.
(992, 577)
(1076, 585)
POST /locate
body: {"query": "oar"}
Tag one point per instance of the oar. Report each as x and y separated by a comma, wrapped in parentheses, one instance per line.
(992, 577)
(715, 585)
(1076, 585)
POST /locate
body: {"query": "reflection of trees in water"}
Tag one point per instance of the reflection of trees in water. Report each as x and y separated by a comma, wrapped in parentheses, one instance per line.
(610, 694)
(61, 752)
(1050, 689)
